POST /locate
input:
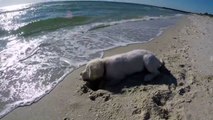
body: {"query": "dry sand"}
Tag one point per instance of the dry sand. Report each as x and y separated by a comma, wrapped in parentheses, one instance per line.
(184, 91)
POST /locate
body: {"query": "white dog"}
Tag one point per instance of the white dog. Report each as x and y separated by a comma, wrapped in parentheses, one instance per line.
(115, 68)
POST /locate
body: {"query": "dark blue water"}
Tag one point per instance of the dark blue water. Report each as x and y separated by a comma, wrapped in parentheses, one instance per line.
(41, 43)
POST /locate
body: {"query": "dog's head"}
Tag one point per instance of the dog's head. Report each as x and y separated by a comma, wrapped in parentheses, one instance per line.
(94, 70)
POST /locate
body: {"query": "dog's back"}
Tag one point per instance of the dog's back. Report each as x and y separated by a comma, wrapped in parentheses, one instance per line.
(119, 66)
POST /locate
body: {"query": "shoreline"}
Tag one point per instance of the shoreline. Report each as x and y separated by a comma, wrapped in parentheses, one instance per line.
(176, 46)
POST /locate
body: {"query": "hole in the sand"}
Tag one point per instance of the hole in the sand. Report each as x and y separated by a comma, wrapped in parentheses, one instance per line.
(161, 98)
(164, 114)
(147, 116)
(184, 90)
(84, 89)
(93, 85)
(66, 119)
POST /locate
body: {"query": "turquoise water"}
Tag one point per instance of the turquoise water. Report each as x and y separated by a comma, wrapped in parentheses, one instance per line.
(41, 43)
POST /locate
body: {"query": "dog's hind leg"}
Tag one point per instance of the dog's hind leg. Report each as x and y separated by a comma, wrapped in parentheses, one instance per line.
(152, 64)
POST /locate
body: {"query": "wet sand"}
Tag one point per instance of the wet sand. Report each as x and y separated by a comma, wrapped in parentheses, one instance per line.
(183, 91)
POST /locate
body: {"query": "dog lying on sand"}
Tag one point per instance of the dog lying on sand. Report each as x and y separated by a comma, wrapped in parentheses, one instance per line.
(115, 68)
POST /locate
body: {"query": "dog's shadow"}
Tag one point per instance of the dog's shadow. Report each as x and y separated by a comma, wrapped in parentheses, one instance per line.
(137, 79)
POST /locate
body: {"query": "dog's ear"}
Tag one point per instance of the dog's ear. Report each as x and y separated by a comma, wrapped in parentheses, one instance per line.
(91, 73)
(95, 70)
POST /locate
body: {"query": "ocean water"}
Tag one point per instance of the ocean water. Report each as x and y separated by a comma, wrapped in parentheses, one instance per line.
(41, 43)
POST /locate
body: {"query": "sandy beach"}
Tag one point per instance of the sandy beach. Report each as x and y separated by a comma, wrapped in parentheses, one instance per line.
(184, 90)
